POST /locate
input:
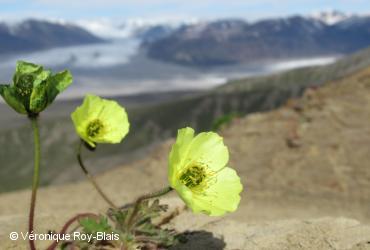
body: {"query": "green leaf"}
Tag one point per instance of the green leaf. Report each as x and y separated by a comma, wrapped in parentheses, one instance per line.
(92, 226)
(12, 99)
(140, 233)
(2, 87)
(223, 121)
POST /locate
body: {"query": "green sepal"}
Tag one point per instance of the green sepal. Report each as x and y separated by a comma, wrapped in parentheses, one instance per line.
(12, 99)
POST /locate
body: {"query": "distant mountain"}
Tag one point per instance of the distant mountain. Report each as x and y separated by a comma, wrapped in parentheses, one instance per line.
(31, 35)
(149, 34)
(236, 41)
(331, 17)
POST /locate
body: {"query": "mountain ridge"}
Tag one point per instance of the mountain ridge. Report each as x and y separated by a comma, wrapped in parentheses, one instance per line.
(235, 41)
(32, 35)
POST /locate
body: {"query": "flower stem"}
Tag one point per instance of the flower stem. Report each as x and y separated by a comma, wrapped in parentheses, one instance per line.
(68, 224)
(142, 198)
(36, 177)
(91, 178)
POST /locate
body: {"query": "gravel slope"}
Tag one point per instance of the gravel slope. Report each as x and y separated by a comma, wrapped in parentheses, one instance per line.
(307, 160)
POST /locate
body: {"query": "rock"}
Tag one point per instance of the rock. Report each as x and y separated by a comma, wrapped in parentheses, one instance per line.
(324, 233)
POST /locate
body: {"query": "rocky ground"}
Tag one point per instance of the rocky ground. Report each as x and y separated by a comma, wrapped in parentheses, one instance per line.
(305, 168)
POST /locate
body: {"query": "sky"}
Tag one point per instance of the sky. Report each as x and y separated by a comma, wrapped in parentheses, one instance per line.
(172, 9)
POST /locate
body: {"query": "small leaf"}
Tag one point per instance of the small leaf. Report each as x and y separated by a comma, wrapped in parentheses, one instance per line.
(142, 233)
(120, 218)
(2, 87)
(92, 226)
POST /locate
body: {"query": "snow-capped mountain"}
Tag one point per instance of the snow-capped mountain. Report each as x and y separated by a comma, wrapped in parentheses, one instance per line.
(237, 41)
(30, 35)
(195, 42)
(331, 17)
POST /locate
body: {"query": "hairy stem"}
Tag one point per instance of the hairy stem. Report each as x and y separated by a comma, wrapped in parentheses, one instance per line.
(142, 198)
(68, 224)
(36, 177)
(91, 178)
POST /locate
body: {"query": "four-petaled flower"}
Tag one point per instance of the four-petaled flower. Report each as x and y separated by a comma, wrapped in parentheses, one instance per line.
(34, 88)
(99, 120)
(198, 172)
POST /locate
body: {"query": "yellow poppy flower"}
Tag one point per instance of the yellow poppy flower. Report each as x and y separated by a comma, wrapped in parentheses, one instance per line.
(198, 172)
(99, 120)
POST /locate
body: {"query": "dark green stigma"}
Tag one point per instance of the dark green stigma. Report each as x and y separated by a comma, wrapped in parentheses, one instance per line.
(193, 176)
(94, 128)
(24, 85)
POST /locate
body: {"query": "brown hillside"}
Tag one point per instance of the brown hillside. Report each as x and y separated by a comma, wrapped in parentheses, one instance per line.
(307, 160)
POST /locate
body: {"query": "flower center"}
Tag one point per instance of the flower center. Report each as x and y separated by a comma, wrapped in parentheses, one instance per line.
(193, 176)
(24, 85)
(94, 128)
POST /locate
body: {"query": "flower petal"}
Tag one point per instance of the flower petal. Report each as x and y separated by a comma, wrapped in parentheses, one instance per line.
(221, 197)
(85, 113)
(185, 194)
(38, 100)
(23, 67)
(58, 83)
(115, 120)
(179, 153)
(11, 98)
(209, 148)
